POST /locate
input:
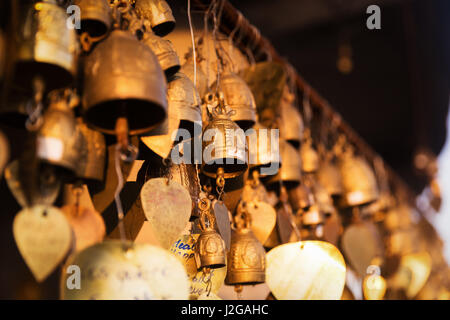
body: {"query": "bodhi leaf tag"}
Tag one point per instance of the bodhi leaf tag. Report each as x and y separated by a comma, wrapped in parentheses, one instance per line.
(87, 224)
(184, 249)
(306, 270)
(117, 270)
(167, 206)
(264, 219)
(43, 236)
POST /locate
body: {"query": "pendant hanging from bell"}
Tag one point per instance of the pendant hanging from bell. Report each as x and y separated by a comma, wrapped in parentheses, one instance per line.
(291, 122)
(210, 249)
(164, 51)
(123, 79)
(247, 257)
(238, 97)
(159, 14)
(96, 17)
(290, 171)
(224, 146)
(45, 46)
(358, 180)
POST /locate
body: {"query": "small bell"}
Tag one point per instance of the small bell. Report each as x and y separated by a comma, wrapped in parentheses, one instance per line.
(45, 46)
(312, 222)
(224, 146)
(309, 156)
(210, 247)
(329, 177)
(123, 79)
(358, 181)
(164, 51)
(291, 123)
(247, 257)
(96, 17)
(159, 14)
(92, 161)
(238, 97)
(58, 140)
(201, 80)
(290, 171)
(323, 199)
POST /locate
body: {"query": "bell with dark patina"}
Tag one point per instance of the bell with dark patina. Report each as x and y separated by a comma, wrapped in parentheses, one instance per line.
(164, 51)
(210, 249)
(159, 14)
(45, 46)
(123, 79)
(96, 17)
(247, 257)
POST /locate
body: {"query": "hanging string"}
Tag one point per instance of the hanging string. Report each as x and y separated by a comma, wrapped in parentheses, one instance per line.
(194, 53)
(119, 188)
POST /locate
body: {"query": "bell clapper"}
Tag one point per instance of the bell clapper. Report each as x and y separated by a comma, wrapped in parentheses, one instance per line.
(35, 108)
(238, 289)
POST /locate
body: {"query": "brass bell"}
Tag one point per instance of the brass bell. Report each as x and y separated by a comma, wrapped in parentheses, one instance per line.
(91, 166)
(159, 14)
(201, 81)
(45, 47)
(312, 222)
(301, 198)
(291, 123)
(58, 140)
(238, 97)
(323, 199)
(123, 79)
(290, 171)
(358, 181)
(210, 247)
(247, 257)
(164, 51)
(309, 156)
(183, 96)
(96, 17)
(224, 146)
(329, 177)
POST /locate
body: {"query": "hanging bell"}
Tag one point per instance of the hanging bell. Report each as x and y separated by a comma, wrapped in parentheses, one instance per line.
(329, 177)
(323, 199)
(309, 156)
(312, 222)
(123, 79)
(210, 247)
(290, 171)
(238, 97)
(247, 257)
(201, 81)
(159, 14)
(45, 46)
(301, 198)
(96, 17)
(58, 140)
(164, 51)
(358, 181)
(92, 160)
(291, 122)
(224, 146)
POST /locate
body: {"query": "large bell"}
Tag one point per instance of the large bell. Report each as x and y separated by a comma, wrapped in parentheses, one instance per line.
(238, 97)
(247, 257)
(210, 247)
(224, 146)
(290, 171)
(164, 51)
(45, 47)
(92, 160)
(159, 14)
(201, 82)
(96, 17)
(291, 123)
(123, 79)
(58, 140)
(358, 181)
(329, 177)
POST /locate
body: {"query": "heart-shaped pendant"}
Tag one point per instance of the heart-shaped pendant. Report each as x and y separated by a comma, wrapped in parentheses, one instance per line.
(264, 219)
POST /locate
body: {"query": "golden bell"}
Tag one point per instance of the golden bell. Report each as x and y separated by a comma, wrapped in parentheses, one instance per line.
(290, 171)
(398, 218)
(246, 258)
(300, 198)
(312, 222)
(358, 181)
(309, 156)
(93, 157)
(96, 16)
(58, 140)
(159, 14)
(164, 51)
(183, 96)
(329, 177)
(323, 199)
(201, 80)
(123, 78)
(291, 123)
(224, 146)
(238, 97)
(45, 46)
